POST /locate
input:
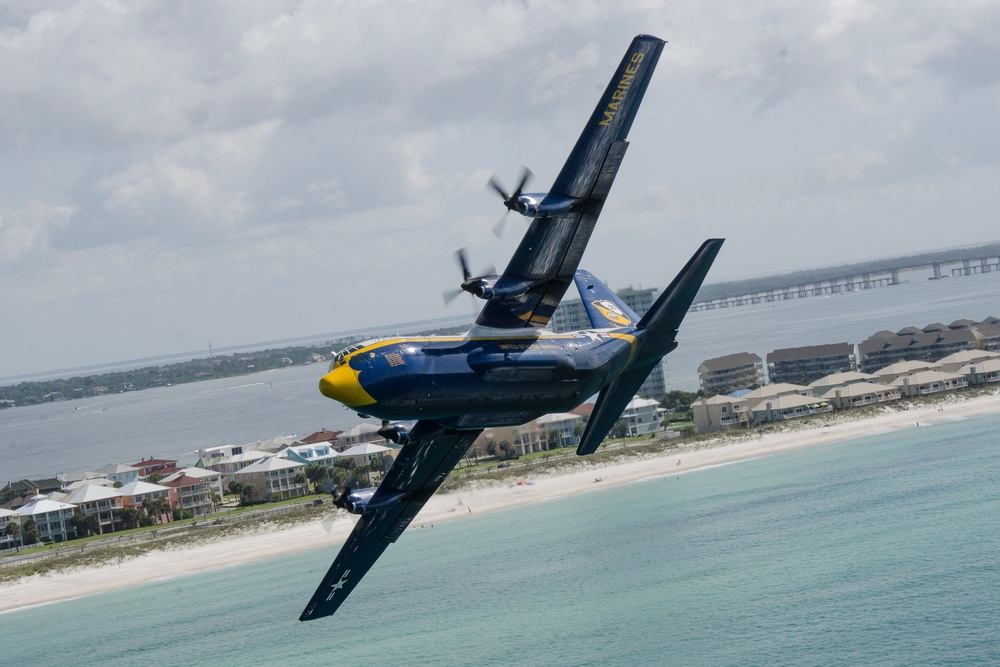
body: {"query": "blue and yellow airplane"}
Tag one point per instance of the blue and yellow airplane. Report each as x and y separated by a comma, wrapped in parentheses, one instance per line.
(509, 369)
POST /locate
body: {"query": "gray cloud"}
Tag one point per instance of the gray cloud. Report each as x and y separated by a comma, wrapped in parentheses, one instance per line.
(174, 172)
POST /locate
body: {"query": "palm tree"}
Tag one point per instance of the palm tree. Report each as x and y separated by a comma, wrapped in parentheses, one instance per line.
(317, 473)
(29, 532)
(13, 530)
(247, 492)
(236, 488)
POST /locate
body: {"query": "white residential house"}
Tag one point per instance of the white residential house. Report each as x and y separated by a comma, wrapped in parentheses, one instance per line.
(359, 434)
(318, 452)
(119, 472)
(230, 465)
(274, 478)
(51, 516)
(8, 517)
(642, 416)
(102, 501)
(362, 454)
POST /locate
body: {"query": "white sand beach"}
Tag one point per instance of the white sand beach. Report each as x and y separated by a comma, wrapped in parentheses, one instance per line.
(330, 532)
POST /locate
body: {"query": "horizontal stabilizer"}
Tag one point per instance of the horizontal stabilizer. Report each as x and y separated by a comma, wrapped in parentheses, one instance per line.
(611, 403)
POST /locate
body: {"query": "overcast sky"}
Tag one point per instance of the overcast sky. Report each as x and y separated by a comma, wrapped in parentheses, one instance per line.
(175, 173)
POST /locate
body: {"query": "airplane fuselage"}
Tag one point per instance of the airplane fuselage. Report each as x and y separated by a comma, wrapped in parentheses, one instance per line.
(485, 378)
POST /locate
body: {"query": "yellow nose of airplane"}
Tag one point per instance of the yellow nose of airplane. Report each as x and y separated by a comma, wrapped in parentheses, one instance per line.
(341, 384)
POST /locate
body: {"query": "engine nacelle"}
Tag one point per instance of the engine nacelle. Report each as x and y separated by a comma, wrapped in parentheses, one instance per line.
(395, 432)
(481, 287)
(355, 501)
(540, 204)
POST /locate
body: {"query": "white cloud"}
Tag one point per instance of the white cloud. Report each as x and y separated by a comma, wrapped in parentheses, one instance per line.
(272, 166)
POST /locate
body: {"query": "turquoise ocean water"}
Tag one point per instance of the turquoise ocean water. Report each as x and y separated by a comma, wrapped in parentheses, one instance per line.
(879, 551)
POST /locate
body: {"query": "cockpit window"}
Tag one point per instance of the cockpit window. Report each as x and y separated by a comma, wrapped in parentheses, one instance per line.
(342, 356)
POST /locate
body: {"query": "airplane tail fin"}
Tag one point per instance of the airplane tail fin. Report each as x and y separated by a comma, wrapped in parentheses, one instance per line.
(656, 337)
(604, 308)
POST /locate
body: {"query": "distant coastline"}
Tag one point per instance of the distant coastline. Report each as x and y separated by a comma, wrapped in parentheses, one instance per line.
(196, 369)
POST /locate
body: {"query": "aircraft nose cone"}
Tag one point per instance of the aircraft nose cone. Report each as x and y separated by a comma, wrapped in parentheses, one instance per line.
(341, 384)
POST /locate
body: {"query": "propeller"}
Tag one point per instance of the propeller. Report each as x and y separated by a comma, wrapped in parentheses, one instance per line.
(511, 200)
(468, 281)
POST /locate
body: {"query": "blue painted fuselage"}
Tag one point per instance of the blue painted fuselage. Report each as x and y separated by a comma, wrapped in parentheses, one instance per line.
(477, 381)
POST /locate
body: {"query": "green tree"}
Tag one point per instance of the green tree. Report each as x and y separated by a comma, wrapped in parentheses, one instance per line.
(337, 476)
(620, 429)
(80, 524)
(236, 488)
(12, 531)
(30, 533)
(247, 494)
(130, 517)
(317, 473)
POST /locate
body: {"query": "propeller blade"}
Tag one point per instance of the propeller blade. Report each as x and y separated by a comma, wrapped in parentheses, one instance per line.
(460, 254)
(500, 225)
(525, 175)
(450, 295)
(495, 184)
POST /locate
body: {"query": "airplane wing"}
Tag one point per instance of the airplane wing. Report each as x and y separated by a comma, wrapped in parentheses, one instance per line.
(542, 268)
(422, 465)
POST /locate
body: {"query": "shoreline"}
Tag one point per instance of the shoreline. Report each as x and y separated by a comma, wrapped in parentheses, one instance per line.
(271, 541)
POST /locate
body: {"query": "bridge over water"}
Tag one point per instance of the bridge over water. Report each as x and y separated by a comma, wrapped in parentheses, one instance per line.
(850, 278)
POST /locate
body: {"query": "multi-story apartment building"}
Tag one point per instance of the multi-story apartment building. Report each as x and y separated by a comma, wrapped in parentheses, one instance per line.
(885, 348)
(723, 375)
(803, 365)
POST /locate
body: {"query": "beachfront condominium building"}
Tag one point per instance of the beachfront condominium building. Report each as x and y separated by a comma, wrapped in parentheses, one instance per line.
(803, 365)
(722, 375)
(912, 344)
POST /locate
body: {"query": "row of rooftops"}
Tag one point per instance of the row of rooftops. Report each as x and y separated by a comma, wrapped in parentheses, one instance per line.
(958, 365)
(877, 349)
(87, 485)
